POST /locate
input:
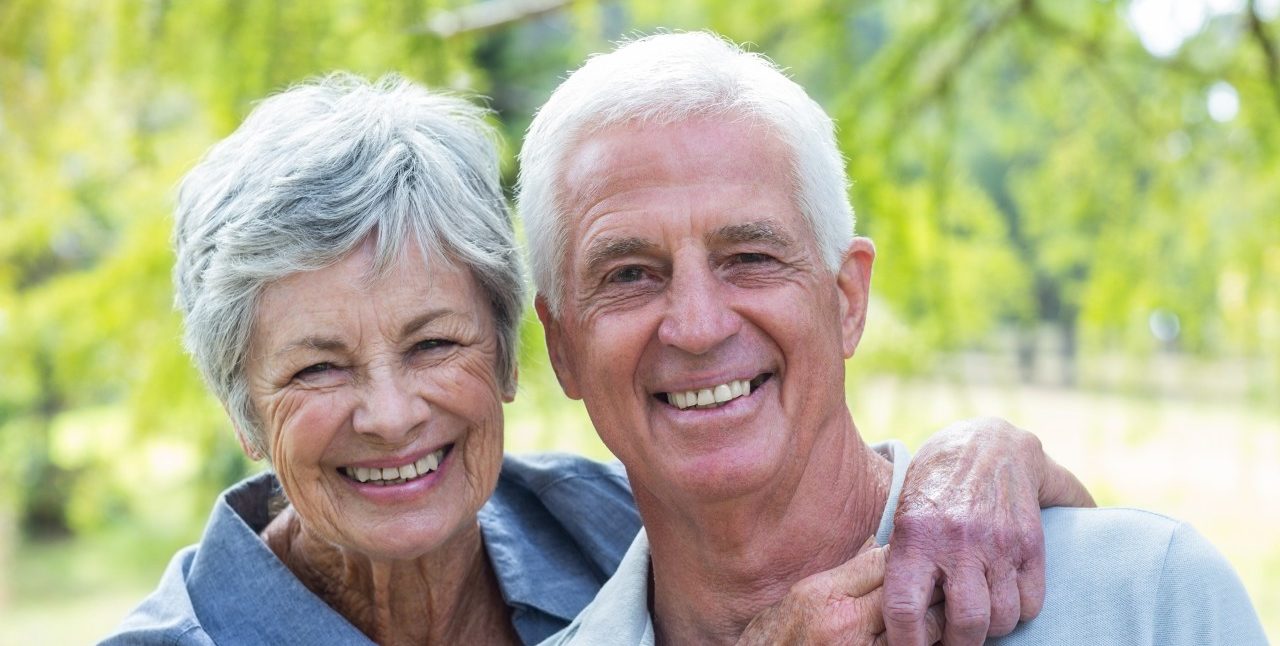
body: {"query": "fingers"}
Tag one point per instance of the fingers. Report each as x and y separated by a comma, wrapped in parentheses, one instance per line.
(1005, 601)
(968, 606)
(868, 544)
(869, 612)
(1031, 586)
(860, 575)
(934, 622)
(909, 583)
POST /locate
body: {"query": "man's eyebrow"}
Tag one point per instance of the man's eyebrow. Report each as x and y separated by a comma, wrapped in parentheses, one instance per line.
(766, 231)
(604, 250)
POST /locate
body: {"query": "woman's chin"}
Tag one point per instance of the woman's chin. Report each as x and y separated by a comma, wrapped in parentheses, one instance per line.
(398, 542)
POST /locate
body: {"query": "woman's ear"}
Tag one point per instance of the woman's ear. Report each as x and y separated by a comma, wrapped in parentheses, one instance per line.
(509, 393)
(245, 445)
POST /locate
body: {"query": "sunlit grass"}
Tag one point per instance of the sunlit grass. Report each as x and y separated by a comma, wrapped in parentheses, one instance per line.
(75, 591)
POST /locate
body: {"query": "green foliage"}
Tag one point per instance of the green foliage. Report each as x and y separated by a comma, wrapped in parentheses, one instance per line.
(1019, 164)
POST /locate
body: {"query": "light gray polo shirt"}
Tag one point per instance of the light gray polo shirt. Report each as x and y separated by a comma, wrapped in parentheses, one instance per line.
(1113, 576)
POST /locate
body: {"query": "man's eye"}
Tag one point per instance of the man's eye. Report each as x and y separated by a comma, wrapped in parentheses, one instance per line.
(751, 258)
(627, 275)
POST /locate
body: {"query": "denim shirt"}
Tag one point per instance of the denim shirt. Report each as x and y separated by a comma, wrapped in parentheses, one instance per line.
(555, 530)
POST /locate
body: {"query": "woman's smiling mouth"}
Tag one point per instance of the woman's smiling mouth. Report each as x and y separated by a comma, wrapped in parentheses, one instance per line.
(397, 475)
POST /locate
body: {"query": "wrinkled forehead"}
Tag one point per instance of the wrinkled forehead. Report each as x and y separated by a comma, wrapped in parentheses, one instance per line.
(636, 156)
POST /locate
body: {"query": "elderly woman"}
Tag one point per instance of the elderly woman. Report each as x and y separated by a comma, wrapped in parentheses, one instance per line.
(351, 292)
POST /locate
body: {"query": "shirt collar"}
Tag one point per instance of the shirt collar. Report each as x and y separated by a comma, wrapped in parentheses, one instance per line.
(620, 612)
(530, 559)
(242, 593)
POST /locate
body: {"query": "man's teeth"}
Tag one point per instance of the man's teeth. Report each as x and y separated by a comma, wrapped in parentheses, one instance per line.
(710, 397)
(396, 475)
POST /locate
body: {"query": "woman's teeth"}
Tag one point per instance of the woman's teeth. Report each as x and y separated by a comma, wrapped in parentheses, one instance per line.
(710, 397)
(396, 475)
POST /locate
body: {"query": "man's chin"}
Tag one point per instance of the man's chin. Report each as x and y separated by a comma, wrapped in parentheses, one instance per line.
(719, 476)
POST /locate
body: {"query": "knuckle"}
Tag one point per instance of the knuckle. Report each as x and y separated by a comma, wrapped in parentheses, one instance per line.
(968, 619)
(963, 526)
(829, 630)
(1030, 534)
(911, 520)
(902, 612)
(1001, 627)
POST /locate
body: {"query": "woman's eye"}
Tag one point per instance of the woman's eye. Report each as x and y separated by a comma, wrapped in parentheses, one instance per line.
(627, 275)
(314, 369)
(432, 344)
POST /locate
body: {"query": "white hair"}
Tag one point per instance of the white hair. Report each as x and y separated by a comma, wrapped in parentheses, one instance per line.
(665, 79)
(310, 174)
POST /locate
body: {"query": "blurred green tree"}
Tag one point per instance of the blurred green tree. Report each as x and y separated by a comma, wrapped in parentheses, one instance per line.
(1022, 164)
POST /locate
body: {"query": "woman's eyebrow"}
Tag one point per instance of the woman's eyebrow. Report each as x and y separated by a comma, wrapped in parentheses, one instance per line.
(320, 343)
(422, 320)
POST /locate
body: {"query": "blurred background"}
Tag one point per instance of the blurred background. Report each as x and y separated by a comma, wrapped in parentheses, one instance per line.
(1076, 205)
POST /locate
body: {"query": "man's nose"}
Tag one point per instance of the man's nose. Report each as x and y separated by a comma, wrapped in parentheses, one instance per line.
(390, 407)
(699, 316)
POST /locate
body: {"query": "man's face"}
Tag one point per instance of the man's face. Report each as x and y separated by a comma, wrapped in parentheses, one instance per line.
(700, 325)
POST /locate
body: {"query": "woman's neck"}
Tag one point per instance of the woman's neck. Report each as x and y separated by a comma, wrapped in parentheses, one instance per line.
(450, 595)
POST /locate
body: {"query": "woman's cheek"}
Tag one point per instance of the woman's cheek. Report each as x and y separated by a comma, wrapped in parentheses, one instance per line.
(303, 426)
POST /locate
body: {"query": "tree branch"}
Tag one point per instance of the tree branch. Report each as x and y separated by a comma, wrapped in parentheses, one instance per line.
(1094, 58)
(940, 84)
(485, 16)
(1270, 58)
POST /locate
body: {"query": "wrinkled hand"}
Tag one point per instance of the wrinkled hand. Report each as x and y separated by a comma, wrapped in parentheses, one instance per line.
(968, 520)
(839, 606)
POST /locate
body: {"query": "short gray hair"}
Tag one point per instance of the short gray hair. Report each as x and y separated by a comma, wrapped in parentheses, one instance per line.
(665, 79)
(311, 173)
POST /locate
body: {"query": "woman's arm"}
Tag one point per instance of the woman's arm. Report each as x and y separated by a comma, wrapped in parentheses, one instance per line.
(966, 532)
(968, 521)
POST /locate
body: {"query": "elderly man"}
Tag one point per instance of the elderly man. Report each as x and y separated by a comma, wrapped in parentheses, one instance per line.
(700, 286)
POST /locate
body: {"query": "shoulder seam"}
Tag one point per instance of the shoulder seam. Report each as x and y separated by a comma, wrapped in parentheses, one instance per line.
(1164, 568)
(617, 479)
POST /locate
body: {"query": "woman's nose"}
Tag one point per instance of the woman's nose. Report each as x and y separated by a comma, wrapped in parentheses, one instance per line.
(391, 408)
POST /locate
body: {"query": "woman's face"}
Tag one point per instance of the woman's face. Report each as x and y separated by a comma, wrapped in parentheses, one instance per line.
(380, 402)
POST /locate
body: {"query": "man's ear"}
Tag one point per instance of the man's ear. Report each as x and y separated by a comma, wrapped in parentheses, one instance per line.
(557, 348)
(853, 282)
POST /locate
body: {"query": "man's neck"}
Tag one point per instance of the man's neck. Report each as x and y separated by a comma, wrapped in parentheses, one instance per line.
(717, 565)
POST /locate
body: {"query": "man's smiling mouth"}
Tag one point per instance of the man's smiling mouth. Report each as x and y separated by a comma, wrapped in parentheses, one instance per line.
(714, 396)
